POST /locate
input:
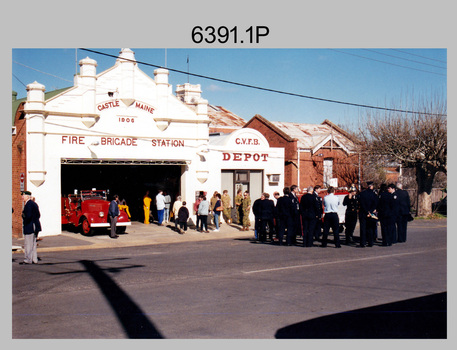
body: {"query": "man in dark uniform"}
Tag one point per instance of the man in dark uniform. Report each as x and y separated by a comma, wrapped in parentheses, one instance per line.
(319, 210)
(284, 207)
(351, 201)
(392, 189)
(267, 208)
(368, 201)
(404, 206)
(295, 212)
(31, 227)
(308, 211)
(387, 215)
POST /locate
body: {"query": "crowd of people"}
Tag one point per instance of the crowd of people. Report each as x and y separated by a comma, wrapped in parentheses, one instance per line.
(298, 218)
(280, 220)
(311, 216)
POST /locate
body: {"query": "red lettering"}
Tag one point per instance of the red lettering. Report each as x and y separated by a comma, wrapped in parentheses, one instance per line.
(110, 104)
(64, 138)
(167, 143)
(237, 156)
(245, 157)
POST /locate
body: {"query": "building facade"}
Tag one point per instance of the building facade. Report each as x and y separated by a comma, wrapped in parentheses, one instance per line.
(314, 154)
(127, 132)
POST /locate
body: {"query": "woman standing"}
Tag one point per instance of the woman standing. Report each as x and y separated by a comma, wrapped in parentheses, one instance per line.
(146, 207)
(246, 208)
(217, 210)
(176, 206)
(203, 211)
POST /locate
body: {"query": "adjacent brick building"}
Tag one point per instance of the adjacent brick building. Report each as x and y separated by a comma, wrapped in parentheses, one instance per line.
(315, 154)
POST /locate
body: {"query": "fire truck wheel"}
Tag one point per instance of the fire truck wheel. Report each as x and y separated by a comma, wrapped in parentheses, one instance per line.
(120, 230)
(86, 230)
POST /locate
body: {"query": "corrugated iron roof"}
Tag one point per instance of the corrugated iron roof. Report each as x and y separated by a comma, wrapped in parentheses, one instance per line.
(220, 116)
(310, 135)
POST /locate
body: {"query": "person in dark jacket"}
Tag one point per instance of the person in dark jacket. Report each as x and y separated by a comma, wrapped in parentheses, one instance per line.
(294, 190)
(113, 214)
(368, 201)
(404, 207)
(256, 212)
(351, 201)
(267, 209)
(183, 217)
(387, 212)
(31, 226)
(309, 215)
(319, 210)
(285, 207)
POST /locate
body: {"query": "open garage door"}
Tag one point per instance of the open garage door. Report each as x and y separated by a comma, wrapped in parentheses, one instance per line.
(129, 179)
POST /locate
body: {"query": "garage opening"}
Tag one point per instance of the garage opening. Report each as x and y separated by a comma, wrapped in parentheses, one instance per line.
(130, 180)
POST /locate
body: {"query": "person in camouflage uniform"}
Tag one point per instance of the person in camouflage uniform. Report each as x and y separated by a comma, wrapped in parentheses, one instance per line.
(227, 204)
(246, 204)
(238, 207)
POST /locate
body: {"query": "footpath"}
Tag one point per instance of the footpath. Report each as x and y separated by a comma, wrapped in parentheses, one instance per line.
(138, 234)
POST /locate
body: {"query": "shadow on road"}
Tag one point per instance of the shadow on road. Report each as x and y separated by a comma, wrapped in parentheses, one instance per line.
(418, 318)
(132, 318)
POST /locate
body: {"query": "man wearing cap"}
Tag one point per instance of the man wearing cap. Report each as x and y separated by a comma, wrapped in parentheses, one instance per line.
(351, 202)
(368, 202)
(31, 226)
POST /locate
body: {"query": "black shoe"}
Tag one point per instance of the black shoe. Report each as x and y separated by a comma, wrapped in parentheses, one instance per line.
(114, 237)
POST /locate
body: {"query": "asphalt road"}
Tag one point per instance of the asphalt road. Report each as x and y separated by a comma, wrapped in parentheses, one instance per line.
(236, 289)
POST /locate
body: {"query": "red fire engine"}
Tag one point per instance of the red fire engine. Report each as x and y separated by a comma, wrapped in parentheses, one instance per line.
(88, 211)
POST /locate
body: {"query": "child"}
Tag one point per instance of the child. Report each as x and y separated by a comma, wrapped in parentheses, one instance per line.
(183, 216)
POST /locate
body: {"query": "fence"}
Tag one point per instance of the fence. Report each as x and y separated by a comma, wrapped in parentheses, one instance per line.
(437, 196)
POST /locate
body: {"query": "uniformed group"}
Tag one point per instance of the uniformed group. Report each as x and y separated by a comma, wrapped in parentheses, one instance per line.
(312, 216)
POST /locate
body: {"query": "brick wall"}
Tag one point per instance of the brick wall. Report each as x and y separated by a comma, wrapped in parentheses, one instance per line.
(18, 167)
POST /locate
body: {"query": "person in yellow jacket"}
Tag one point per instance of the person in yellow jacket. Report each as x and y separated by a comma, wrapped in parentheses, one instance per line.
(146, 206)
(123, 206)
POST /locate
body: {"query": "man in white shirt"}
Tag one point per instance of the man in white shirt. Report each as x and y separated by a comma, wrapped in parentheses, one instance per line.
(331, 219)
(160, 203)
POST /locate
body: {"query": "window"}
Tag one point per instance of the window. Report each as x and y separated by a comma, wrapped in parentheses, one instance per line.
(328, 170)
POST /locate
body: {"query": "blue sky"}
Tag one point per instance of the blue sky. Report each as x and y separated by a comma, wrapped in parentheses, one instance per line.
(366, 76)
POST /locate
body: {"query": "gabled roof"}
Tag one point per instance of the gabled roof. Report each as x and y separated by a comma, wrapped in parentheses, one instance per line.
(310, 136)
(272, 126)
(222, 120)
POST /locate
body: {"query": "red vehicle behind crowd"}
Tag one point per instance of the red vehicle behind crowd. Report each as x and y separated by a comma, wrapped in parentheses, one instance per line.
(88, 211)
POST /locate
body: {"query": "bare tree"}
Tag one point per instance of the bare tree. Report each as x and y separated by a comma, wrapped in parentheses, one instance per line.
(414, 139)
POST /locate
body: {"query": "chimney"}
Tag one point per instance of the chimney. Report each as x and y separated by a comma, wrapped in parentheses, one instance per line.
(189, 93)
(87, 82)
